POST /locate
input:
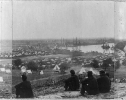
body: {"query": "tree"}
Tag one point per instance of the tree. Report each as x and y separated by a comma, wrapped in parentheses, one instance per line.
(32, 66)
(105, 47)
(95, 63)
(120, 46)
(40, 68)
(107, 62)
(17, 62)
(117, 65)
(63, 67)
(124, 62)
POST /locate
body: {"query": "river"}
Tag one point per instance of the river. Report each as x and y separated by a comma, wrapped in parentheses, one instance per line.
(84, 49)
(90, 48)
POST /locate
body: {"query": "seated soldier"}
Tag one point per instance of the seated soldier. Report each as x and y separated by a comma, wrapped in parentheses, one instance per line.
(72, 83)
(107, 74)
(90, 85)
(104, 83)
(23, 89)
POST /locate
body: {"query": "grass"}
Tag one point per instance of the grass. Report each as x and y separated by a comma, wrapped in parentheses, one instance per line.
(16, 75)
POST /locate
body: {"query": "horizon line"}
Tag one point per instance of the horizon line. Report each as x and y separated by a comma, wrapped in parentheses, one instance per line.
(60, 38)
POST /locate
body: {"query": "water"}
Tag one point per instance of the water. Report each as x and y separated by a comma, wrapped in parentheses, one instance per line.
(84, 49)
(90, 48)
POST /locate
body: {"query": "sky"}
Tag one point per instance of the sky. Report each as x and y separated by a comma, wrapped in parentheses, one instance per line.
(120, 20)
(57, 19)
(6, 20)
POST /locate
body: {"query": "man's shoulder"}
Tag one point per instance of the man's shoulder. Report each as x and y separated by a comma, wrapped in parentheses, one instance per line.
(102, 77)
(18, 85)
(26, 82)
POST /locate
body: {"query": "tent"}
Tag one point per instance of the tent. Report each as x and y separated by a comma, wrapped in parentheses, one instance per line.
(1, 79)
(23, 69)
(69, 59)
(44, 66)
(8, 71)
(82, 70)
(29, 72)
(41, 72)
(2, 69)
(56, 68)
(94, 71)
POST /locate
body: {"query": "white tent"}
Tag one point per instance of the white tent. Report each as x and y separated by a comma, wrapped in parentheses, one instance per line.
(29, 72)
(41, 72)
(23, 69)
(82, 71)
(8, 71)
(44, 66)
(2, 69)
(69, 59)
(56, 68)
(94, 71)
(1, 79)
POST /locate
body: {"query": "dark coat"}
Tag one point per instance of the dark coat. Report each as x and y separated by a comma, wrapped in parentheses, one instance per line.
(90, 85)
(72, 83)
(24, 90)
(104, 84)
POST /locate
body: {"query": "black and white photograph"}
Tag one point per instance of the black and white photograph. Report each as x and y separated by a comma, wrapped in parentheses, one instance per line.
(66, 49)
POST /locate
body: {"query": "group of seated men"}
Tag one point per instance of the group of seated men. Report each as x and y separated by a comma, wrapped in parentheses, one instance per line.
(89, 85)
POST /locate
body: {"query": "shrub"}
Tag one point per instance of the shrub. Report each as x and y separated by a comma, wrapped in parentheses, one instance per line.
(95, 63)
(124, 62)
(17, 62)
(63, 67)
(32, 66)
(117, 65)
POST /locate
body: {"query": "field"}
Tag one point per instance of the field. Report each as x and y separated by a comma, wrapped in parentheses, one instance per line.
(48, 72)
(16, 74)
